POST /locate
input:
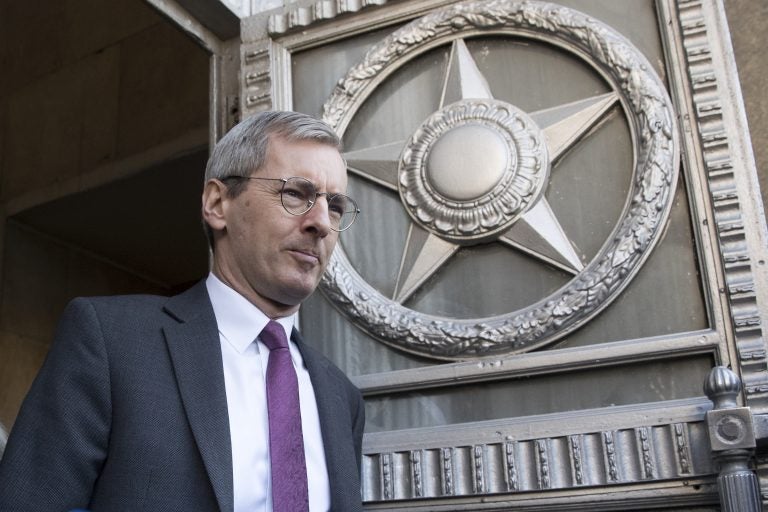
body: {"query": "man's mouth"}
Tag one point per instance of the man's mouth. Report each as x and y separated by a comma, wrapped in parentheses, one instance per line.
(306, 255)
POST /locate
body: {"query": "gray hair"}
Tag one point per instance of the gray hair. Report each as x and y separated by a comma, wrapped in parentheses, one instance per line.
(243, 150)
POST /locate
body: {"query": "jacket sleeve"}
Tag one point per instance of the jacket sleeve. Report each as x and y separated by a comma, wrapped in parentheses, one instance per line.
(59, 441)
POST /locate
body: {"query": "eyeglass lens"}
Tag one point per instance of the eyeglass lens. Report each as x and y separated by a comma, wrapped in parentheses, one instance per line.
(299, 195)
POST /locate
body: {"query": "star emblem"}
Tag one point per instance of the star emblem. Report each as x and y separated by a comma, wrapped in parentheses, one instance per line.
(469, 160)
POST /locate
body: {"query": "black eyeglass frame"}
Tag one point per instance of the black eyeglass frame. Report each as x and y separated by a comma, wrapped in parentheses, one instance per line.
(310, 202)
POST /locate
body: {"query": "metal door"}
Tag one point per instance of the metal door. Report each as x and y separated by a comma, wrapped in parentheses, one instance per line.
(561, 237)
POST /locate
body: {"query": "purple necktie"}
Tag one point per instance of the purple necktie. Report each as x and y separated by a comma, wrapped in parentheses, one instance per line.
(286, 444)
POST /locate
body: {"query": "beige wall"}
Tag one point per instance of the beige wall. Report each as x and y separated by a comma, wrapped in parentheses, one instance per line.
(86, 86)
(41, 275)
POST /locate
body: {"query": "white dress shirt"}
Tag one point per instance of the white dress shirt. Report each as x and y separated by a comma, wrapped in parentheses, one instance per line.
(245, 369)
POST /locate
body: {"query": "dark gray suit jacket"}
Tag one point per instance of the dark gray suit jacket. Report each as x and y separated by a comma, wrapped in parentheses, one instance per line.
(129, 412)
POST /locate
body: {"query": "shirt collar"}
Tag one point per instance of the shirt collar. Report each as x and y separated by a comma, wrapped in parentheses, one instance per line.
(239, 321)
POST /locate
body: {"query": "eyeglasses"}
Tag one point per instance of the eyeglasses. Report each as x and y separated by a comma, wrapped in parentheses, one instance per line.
(298, 196)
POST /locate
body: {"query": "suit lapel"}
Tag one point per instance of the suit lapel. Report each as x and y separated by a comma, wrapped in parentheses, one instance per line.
(195, 349)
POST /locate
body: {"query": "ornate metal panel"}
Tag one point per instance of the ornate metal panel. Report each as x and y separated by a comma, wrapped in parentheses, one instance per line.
(498, 193)
(571, 377)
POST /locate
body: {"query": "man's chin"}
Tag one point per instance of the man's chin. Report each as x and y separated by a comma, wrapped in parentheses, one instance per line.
(295, 295)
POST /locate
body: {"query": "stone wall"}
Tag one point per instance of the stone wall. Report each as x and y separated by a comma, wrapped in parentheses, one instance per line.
(86, 86)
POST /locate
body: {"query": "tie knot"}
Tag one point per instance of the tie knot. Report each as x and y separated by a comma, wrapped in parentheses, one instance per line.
(273, 336)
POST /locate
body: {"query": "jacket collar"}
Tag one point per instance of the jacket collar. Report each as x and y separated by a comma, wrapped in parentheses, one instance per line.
(195, 349)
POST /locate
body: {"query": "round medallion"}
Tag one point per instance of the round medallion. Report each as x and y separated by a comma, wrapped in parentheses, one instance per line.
(730, 429)
(471, 169)
(467, 162)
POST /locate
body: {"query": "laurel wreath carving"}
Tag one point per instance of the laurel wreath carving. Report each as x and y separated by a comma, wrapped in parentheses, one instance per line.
(656, 141)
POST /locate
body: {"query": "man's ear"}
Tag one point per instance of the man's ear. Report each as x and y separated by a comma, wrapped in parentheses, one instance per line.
(215, 202)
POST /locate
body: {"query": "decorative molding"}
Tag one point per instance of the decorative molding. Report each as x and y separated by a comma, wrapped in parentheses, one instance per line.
(417, 485)
(512, 482)
(447, 480)
(609, 452)
(656, 142)
(298, 16)
(479, 469)
(256, 74)
(645, 454)
(537, 363)
(542, 464)
(683, 445)
(577, 459)
(387, 479)
(704, 71)
(591, 459)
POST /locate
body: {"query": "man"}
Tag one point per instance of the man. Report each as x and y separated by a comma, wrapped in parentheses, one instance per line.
(152, 403)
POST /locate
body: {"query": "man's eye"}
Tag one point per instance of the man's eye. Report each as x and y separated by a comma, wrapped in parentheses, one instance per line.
(295, 193)
(337, 205)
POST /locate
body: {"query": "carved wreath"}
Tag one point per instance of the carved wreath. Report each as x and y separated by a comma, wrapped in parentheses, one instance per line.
(654, 135)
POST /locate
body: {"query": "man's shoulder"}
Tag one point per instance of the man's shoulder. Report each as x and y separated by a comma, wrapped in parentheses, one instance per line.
(120, 300)
(124, 303)
(135, 304)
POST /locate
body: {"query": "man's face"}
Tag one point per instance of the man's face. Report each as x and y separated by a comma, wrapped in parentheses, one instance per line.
(273, 258)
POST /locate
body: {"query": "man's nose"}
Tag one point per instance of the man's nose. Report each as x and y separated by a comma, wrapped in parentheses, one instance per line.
(317, 218)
